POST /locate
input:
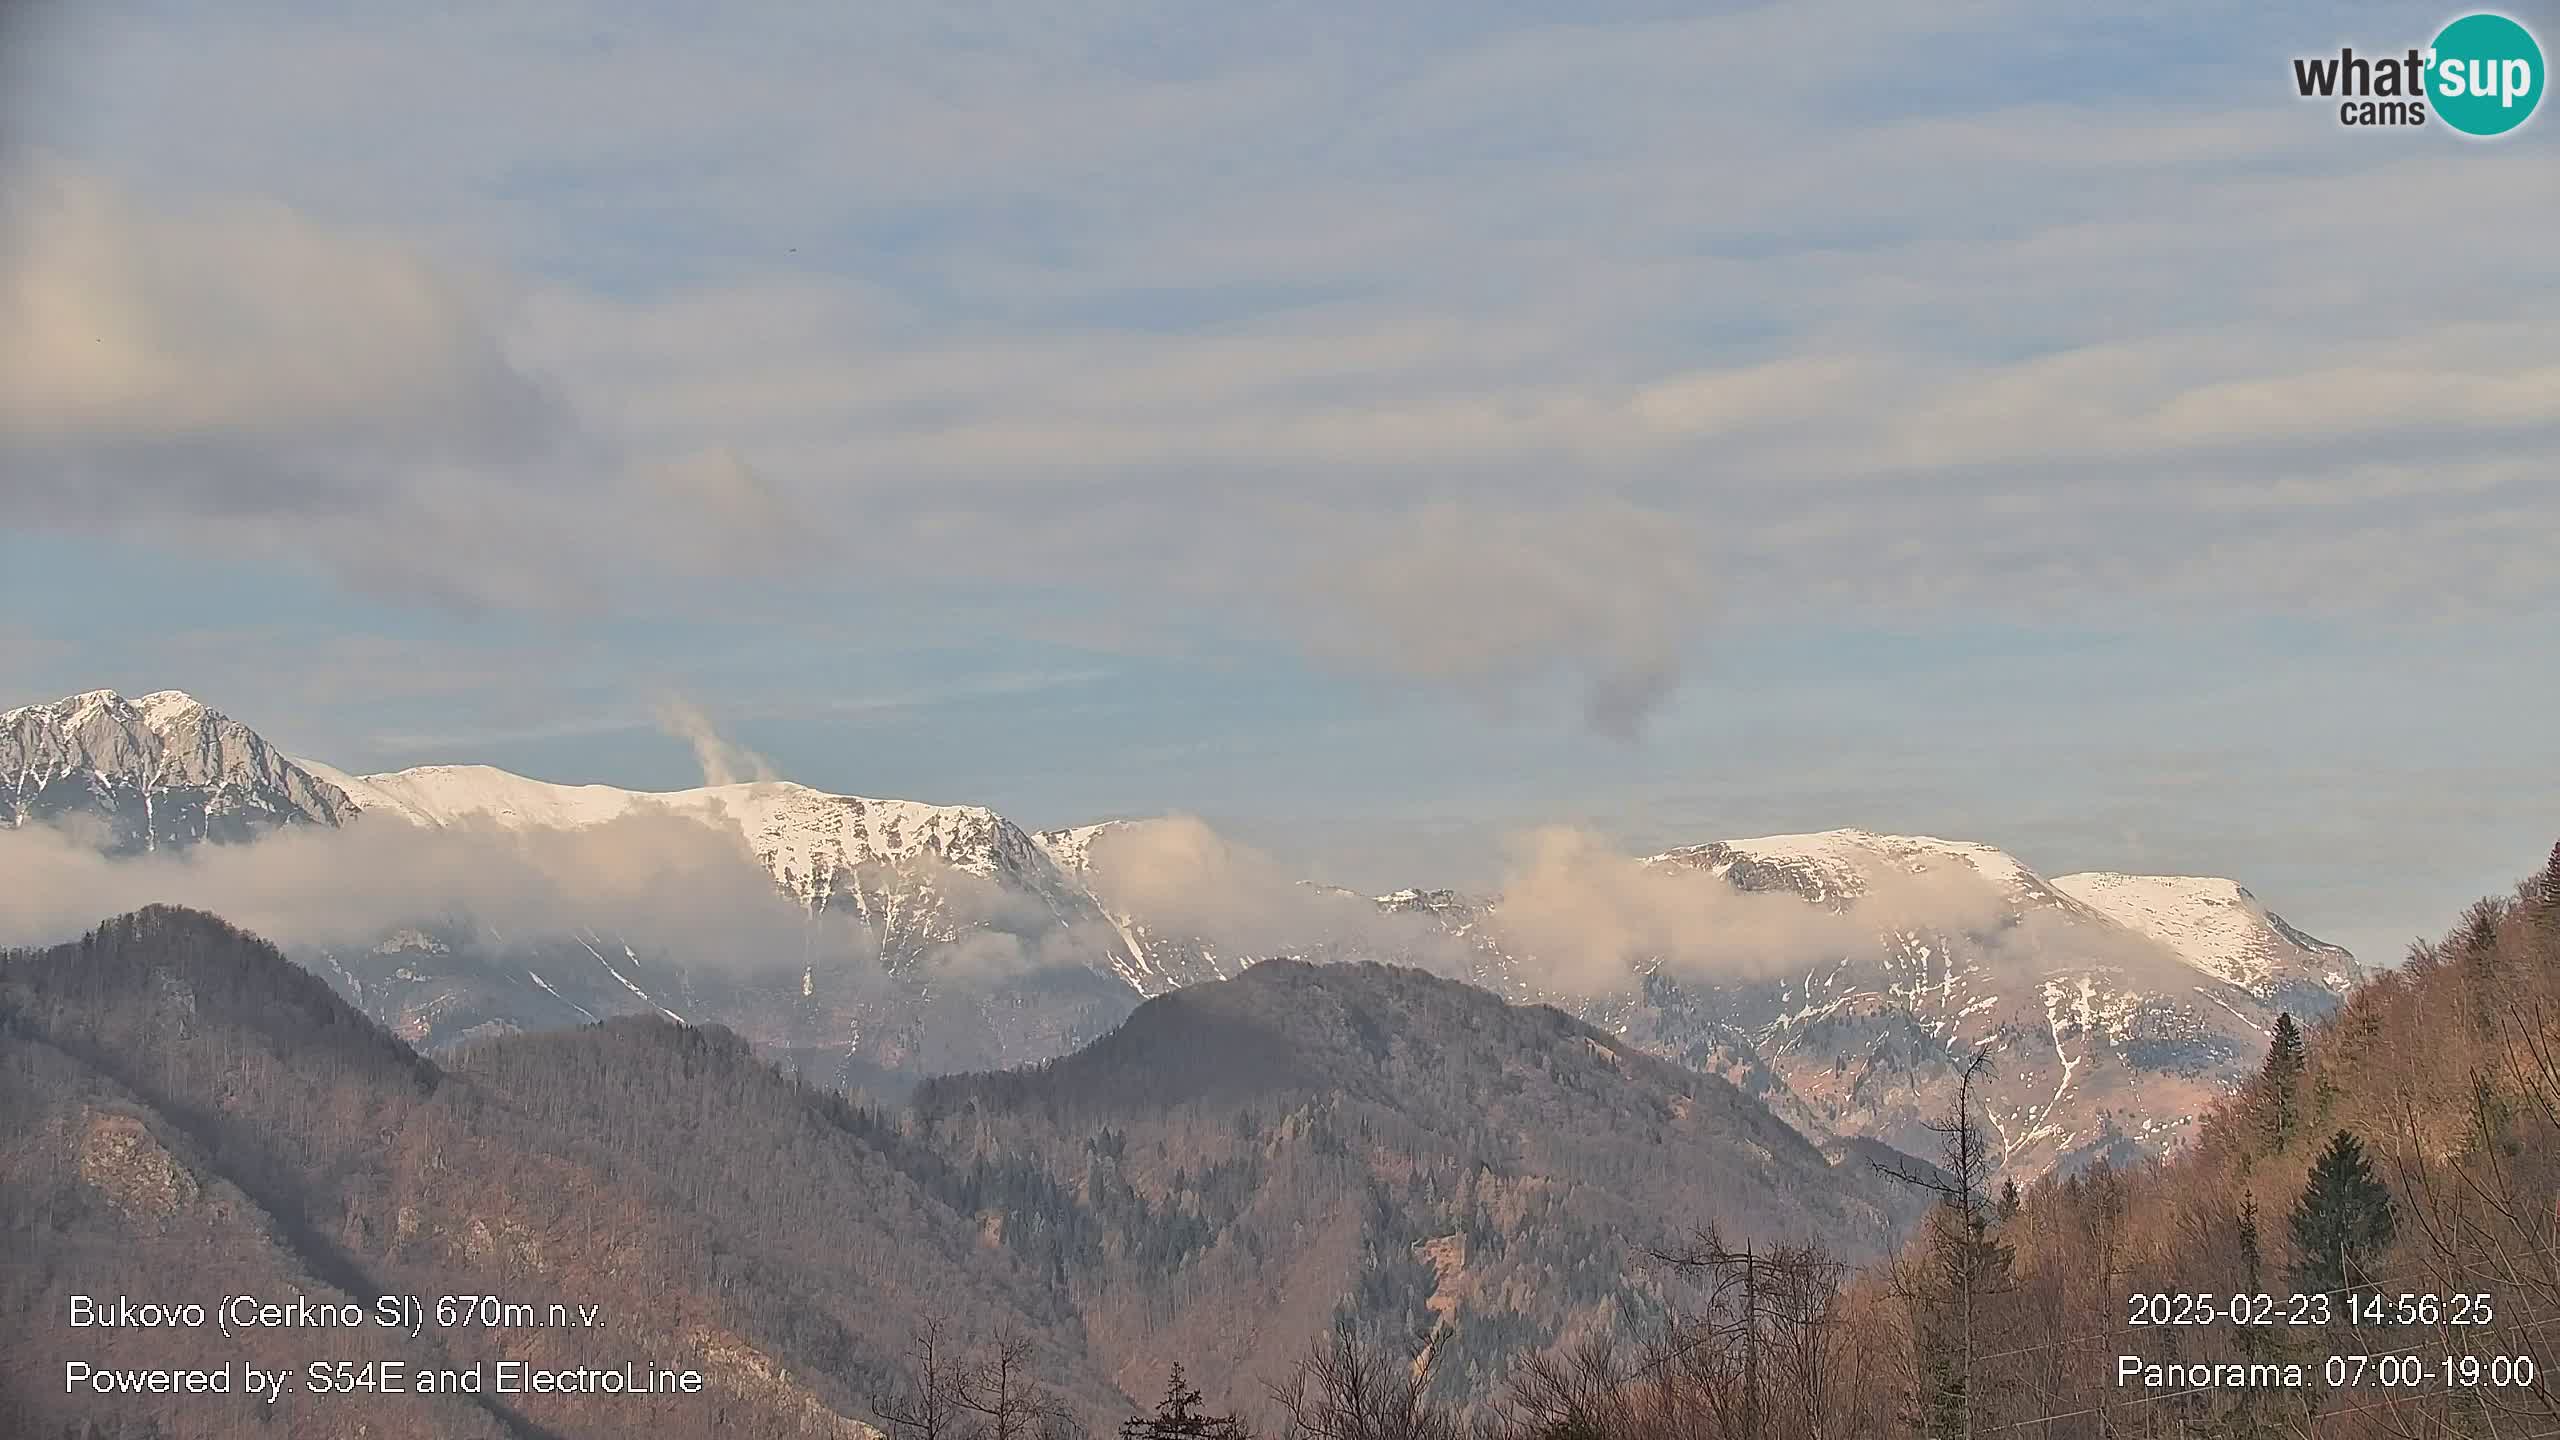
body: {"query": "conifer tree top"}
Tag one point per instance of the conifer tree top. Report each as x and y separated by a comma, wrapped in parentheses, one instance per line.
(2344, 1220)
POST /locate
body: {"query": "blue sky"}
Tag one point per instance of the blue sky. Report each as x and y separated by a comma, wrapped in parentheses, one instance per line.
(1374, 428)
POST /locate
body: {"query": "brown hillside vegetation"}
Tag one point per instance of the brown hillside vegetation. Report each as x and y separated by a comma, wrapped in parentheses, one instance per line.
(186, 1116)
(2365, 1243)
(2381, 1209)
(1358, 1203)
(2446, 1075)
(1371, 1147)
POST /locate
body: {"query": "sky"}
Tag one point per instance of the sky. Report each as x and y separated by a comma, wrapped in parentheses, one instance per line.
(1377, 429)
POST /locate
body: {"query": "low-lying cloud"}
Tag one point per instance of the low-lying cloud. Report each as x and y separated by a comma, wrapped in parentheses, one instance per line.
(1588, 912)
(1179, 877)
(1574, 914)
(688, 886)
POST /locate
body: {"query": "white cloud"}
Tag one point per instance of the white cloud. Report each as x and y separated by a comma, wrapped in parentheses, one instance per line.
(690, 886)
(240, 321)
(1588, 912)
(240, 374)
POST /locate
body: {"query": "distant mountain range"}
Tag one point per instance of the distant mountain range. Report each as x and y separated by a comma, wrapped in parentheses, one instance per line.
(2114, 1005)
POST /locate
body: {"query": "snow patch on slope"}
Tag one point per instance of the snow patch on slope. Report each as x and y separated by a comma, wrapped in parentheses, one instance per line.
(1836, 865)
(2215, 924)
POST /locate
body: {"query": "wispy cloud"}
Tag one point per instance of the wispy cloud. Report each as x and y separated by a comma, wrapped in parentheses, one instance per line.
(1490, 601)
(723, 761)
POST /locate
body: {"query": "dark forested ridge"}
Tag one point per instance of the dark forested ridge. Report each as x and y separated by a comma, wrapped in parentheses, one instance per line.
(186, 1115)
(1241, 1165)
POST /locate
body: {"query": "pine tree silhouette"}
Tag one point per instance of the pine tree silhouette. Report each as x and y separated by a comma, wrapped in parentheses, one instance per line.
(2281, 1082)
(2343, 1220)
(2250, 1252)
(1178, 1417)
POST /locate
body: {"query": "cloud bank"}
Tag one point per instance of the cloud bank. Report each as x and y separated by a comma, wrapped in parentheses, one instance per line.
(1181, 878)
(1574, 914)
(1588, 913)
(689, 886)
(240, 372)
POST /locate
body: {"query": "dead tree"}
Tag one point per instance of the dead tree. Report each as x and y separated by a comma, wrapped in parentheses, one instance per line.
(1962, 1263)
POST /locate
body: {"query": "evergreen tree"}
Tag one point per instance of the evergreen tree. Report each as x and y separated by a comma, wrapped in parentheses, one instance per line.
(2280, 1082)
(2343, 1221)
(1178, 1416)
(2251, 1251)
(2252, 1342)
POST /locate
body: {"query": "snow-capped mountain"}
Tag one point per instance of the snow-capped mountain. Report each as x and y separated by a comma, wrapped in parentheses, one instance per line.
(2221, 929)
(2115, 1006)
(2111, 1025)
(921, 883)
(163, 770)
(823, 849)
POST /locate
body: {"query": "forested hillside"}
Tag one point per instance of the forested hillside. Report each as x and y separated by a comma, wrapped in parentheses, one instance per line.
(1242, 1166)
(2402, 1158)
(1354, 1201)
(2366, 1242)
(185, 1116)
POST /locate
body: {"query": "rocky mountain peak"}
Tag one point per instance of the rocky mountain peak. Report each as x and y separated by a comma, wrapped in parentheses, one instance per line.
(164, 770)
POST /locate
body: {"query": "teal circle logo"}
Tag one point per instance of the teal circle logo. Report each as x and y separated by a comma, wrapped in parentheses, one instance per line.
(2484, 74)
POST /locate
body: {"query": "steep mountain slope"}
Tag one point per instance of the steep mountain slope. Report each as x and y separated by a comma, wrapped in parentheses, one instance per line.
(951, 939)
(163, 770)
(1356, 1143)
(1152, 958)
(2432, 1088)
(967, 945)
(185, 1115)
(2220, 928)
(811, 840)
(2107, 1037)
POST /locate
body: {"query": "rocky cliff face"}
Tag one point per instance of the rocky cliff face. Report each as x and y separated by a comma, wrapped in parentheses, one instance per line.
(164, 770)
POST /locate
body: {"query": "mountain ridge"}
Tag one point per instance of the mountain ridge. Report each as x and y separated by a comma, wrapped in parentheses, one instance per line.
(2095, 986)
(166, 769)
